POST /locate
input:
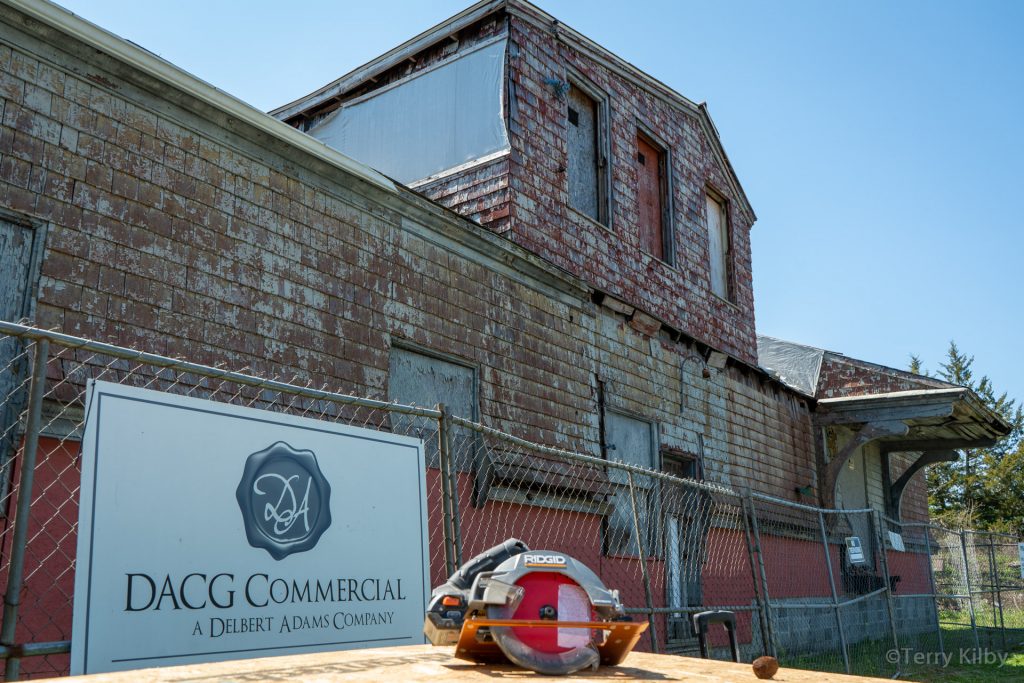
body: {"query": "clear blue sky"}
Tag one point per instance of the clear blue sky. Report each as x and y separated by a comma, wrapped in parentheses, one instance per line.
(881, 143)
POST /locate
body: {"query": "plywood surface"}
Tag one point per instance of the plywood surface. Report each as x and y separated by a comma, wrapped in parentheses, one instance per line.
(423, 663)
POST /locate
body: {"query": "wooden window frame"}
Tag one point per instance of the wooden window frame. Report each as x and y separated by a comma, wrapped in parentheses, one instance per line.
(653, 547)
(676, 455)
(668, 242)
(10, 433)
(412, 347)
(722, 199)
(480, 467)
(603, 149)
(39, 229)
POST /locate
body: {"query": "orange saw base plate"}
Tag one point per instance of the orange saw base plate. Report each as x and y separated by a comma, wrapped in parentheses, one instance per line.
(621, 638)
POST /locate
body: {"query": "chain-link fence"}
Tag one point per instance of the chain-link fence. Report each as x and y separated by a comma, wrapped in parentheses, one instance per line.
(836, 590)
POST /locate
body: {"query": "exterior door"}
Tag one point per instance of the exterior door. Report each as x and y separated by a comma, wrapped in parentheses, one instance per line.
(686, 512)
(630, 440)
(852, 490)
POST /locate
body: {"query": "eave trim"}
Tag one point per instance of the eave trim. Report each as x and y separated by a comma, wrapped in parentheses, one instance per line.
(104, 41)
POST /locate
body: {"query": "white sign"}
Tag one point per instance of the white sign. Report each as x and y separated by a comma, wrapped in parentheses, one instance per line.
(896, 542)
(209, 531)
(1020, 551)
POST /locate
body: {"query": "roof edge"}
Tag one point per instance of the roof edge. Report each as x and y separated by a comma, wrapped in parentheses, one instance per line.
(889, 370)
(390, 58)
(530, 12)
(60, 19)
(896, 396)
(952, 393)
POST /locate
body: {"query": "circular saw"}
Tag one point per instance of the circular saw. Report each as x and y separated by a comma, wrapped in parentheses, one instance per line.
(539, 609)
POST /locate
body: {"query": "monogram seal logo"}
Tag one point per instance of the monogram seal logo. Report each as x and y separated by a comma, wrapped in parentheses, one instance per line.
(285, 500)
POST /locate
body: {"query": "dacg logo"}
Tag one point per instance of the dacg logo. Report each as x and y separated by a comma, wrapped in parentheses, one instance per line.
(285, 500)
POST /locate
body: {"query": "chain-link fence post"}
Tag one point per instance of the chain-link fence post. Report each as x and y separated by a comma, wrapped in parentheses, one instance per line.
(998, 588)
(970, 589)
(643, 563)
(760, 587)
(16, 572)
(453, 487)
(931, 582)
(835, 594)
(444, 467)
(989, 587)
(883, 557)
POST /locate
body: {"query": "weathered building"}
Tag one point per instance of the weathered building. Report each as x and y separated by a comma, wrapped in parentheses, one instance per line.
(573, 153)
(564, 253)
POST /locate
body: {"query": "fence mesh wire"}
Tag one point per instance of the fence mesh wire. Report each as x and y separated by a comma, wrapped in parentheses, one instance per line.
(797, 584)
(44, 614)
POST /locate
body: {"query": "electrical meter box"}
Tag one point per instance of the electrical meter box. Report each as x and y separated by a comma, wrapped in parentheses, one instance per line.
(854, 552)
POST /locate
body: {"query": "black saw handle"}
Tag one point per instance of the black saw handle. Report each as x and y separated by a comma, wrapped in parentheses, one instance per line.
(485, 562)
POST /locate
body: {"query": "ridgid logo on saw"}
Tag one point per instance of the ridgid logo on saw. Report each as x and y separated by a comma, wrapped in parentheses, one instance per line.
(532, 560)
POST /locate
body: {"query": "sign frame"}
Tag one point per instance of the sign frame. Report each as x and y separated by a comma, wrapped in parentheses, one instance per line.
(104, 478)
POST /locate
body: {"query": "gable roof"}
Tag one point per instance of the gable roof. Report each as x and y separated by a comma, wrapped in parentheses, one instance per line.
(531, 13)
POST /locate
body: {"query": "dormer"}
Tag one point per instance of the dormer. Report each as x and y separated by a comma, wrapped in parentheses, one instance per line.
(511, 118)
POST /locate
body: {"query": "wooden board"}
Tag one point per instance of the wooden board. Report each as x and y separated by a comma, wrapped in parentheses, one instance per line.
(426, 664)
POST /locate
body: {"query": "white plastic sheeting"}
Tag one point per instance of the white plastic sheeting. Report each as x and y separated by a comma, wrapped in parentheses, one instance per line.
(442, 118)
(798, 366)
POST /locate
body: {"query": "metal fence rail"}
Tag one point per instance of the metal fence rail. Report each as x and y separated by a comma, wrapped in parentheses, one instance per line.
(672, 546)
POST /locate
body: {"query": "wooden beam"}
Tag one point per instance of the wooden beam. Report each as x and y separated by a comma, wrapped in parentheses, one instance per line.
(869, 432)
(841, 416)
(927, 458)
(913, 445)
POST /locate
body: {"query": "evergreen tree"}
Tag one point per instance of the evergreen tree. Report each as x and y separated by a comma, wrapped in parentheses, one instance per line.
(985, 486)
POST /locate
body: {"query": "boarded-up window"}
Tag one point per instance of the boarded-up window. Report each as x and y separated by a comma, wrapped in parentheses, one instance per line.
(20, 252)
(424, 380)
(651, 191)
(630, 440)
(586, 167)
(718, 245)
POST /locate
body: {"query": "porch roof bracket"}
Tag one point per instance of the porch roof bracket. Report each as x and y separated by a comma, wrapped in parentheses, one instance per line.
(926, 458)
(869, 432)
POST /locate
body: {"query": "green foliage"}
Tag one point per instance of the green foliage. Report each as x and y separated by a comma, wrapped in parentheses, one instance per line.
(984, 488)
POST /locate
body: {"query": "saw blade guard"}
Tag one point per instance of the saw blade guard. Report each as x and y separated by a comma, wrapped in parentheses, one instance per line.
(552, 587)
(539, 609)
(549, 651)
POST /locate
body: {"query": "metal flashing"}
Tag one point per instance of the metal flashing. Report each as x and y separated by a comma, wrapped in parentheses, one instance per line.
(389, 59)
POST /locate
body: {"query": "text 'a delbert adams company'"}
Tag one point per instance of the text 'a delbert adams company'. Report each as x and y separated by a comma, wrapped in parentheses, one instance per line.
(198, 591)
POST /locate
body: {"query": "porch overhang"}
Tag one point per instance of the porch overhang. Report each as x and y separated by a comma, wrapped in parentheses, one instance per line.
(933, 423)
